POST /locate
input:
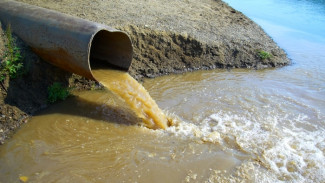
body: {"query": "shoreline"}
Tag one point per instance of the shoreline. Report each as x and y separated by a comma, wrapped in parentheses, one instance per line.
(208, 35)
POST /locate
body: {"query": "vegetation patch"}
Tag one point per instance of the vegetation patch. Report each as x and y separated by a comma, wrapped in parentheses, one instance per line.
(264, 55)
(57, 92)
(11, 64)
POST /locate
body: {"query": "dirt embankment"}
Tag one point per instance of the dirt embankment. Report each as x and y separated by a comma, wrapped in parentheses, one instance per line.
(179, 36)
(168, 37)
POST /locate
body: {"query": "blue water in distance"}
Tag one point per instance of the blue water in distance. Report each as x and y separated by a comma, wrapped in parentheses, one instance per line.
(297, 26)
(307, 17)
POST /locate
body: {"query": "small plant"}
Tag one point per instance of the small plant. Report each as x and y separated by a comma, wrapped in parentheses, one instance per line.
(12, 61)
(93, 86)
(57, 92)
(264, 55)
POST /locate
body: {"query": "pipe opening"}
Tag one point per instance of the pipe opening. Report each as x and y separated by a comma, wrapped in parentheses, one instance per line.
(110, 49)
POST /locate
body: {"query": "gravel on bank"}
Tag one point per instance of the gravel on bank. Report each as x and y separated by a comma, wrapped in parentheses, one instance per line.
(179, 36)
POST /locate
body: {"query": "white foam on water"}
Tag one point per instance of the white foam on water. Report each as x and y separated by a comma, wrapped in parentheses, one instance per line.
(279, 149)
(190, 130)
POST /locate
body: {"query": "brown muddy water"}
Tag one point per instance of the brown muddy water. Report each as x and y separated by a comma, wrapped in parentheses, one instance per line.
(227, 126)
(134, 95)
(91, 138)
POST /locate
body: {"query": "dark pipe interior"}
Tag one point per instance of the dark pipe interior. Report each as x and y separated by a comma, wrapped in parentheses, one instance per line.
(111, 49)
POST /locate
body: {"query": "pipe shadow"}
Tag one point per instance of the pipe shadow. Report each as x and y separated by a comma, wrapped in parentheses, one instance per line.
(101, 111)
(28, 91)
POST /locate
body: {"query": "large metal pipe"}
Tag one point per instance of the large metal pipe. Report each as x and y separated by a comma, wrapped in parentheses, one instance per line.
(71, 43)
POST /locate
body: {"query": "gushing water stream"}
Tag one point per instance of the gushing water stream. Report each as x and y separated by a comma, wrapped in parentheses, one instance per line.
(134, 95)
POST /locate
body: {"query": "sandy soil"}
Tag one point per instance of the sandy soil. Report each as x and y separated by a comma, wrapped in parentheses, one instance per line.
(168, 37)
(178, 36)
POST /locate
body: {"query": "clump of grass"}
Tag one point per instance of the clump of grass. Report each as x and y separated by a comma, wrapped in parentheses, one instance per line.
(264, 55)
(11, 64)
(57, 92)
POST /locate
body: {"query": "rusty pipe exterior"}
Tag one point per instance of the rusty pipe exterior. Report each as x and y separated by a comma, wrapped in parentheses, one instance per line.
(71, 43)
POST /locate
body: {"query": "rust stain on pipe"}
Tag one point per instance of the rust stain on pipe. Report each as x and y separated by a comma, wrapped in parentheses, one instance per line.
(71, 43)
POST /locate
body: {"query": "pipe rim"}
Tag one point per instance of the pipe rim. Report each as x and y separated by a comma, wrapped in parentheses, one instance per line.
(116, 53)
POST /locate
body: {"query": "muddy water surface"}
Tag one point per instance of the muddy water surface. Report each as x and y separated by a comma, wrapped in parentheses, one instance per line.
(90, 138)
(227, 126)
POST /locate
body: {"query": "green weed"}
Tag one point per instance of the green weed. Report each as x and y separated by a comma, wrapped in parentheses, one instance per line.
(264, 55)
(11, 64)
(57, 92)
